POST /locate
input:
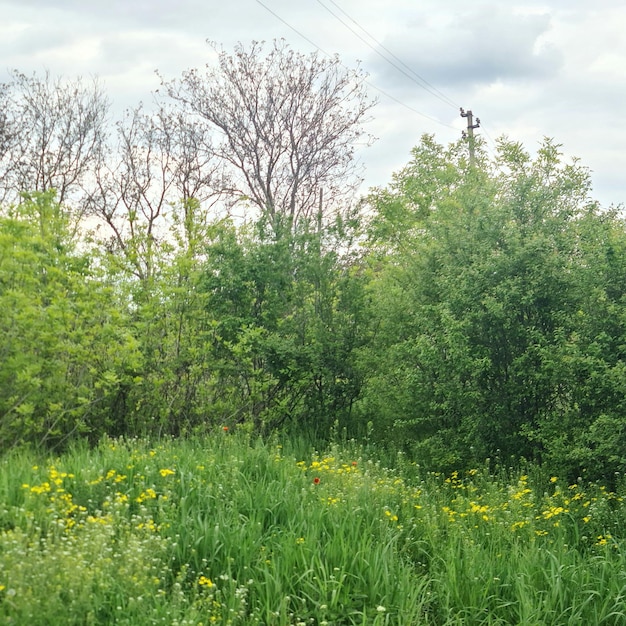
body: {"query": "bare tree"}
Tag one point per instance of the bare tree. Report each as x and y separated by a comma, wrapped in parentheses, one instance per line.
(51, 133)
(6, 130)
(289, 124)
(161, 165)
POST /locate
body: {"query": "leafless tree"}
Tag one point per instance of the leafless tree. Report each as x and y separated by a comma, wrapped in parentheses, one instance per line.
(288, 124)
(6, 130)
(51, 135)
(159, 166)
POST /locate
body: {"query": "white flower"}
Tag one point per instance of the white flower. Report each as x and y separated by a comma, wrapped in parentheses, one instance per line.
(380, 608)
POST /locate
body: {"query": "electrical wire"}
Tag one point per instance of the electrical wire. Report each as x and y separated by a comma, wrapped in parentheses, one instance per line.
(278, 17)
(382, 91)
(408, 71)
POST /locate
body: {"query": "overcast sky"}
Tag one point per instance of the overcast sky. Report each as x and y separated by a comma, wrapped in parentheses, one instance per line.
(527, 69)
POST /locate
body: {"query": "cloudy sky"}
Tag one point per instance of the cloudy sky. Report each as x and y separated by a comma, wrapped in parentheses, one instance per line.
(529, 69)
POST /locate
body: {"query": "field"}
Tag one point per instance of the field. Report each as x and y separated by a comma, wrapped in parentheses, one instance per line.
(231, 530)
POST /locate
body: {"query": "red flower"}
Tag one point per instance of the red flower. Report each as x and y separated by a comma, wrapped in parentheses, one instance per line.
(316, 481)
(225, 429)
(353, 463)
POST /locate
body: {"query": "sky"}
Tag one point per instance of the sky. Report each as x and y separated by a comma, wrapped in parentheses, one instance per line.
(527, 69)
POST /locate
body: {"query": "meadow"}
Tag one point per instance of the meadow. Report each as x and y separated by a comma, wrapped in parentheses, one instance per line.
(232, 530)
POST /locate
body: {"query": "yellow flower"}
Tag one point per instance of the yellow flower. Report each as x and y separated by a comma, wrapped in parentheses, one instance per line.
(553, 479)
(148, 494)
(203, 581)
(166, 472)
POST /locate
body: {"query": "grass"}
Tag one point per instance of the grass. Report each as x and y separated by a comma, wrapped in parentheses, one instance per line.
(226, 530)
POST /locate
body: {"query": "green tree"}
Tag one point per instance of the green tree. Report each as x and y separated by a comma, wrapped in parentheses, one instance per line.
(496, 310)
(289, 315)
(65, 347)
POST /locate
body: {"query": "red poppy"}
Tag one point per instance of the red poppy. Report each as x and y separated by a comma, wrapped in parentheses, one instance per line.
(225, 429)
(316, 481)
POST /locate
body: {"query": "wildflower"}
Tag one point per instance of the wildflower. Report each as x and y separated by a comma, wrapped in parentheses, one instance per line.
(203, 581)
(300, 540)
(553, 479)
(225, 429)
(380, 608)
(148, 494)
(166, 472)
(316, 480)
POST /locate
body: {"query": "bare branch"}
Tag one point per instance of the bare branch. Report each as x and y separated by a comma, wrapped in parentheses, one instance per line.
(53, 133)
(288, 124)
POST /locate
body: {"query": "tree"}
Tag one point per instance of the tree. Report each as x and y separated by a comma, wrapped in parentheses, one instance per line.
(161, 164)
(53, 133)
(263, 331)
(66, 346)
(501, 315)
(288, 123)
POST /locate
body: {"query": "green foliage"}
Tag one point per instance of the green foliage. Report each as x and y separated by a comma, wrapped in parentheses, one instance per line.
(289, 316)
(485, 319)
(501, 315)
(245, 325)
(65, 346)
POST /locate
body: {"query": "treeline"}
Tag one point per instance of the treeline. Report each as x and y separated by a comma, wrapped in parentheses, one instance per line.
(465, 311)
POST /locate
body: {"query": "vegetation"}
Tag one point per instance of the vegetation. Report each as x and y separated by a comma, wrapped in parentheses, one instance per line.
(228, 530)
(501, 315)
(469, 317)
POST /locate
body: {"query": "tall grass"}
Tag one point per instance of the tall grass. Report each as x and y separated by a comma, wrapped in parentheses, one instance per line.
(226, 530)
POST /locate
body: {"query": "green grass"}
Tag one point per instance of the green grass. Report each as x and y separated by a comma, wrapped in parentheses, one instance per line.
(226, 530)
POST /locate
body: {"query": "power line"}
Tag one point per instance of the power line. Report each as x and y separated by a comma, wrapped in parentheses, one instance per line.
(278, 17)
(408, 71)
(410, 108)
(382, 91)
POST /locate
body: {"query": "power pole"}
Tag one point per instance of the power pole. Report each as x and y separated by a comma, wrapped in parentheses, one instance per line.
(470, 131)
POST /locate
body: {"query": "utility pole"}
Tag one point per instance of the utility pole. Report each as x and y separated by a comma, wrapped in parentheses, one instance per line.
(470, 131)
